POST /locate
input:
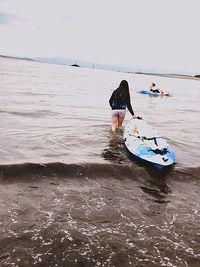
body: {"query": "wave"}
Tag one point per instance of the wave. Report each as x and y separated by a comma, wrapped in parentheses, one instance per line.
(34, 114)
(29, 171)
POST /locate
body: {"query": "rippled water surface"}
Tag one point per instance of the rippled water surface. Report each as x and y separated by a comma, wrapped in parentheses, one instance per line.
(54, 112)
(71, 194)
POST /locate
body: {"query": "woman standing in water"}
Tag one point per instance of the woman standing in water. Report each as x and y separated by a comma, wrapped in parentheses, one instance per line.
(119, 100)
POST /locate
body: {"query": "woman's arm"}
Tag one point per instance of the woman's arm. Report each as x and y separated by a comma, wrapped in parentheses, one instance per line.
(129, 105)
(111, 99)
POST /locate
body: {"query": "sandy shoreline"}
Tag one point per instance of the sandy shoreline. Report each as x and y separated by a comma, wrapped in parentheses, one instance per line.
(177, 76)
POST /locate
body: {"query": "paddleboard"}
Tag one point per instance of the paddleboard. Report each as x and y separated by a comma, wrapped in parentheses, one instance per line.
(152, 93)
(146, 143)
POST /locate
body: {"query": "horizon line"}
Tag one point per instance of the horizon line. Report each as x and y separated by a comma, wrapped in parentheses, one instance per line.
(100, 65)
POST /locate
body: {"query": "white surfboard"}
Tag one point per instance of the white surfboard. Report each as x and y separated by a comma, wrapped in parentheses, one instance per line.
(146, 143)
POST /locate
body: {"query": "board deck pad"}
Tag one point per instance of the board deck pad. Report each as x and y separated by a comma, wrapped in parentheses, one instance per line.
(146, 143)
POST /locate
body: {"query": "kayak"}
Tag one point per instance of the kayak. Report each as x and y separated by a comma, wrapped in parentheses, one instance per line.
(152, 93)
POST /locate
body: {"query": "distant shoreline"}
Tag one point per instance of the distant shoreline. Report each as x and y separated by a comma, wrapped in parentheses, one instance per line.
(177, 76)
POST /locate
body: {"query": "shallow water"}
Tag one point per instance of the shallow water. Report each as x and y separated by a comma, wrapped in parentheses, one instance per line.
(98, 215)
(60, 113)
(70, 192)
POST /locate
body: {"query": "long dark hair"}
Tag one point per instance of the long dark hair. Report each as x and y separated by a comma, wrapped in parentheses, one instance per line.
(123, 89)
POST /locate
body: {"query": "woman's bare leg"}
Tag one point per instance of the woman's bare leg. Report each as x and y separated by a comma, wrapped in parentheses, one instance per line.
(120, 121)
(114, 123)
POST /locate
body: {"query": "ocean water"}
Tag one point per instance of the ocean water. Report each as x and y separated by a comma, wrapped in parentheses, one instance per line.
(70, 192)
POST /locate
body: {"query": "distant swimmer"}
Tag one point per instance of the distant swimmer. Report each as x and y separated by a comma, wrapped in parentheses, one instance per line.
(119, 100)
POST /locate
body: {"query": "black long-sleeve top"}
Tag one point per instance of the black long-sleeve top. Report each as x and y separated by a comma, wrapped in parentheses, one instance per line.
(120, 102)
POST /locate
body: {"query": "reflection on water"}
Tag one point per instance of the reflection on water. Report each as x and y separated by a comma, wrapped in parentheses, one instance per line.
(115, 149)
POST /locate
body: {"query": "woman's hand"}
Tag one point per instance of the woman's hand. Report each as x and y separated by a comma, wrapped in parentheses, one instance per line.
(134, 117)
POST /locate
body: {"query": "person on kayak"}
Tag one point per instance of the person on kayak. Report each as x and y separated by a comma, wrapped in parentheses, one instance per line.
(153, 88)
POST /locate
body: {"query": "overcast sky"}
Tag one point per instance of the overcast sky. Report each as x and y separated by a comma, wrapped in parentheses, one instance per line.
(162, 34)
